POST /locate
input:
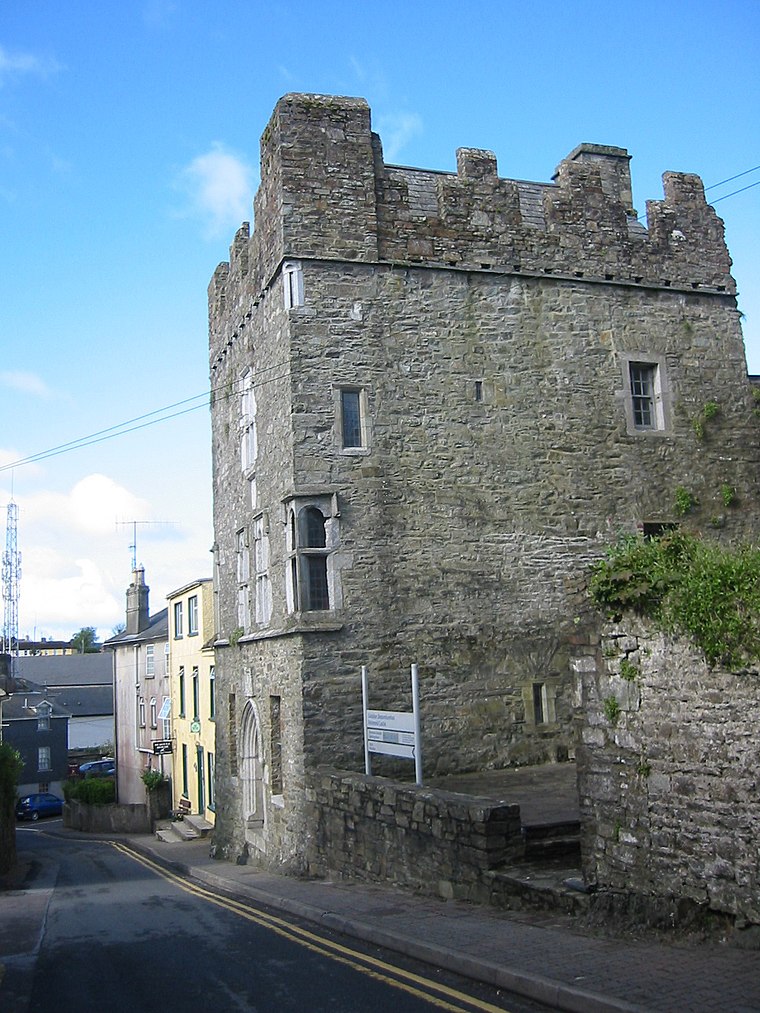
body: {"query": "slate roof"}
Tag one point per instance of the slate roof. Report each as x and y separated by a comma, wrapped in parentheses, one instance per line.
(157, 629)
(68, 670)
(21, 706)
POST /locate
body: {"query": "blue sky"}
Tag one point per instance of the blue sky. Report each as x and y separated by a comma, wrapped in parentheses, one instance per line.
(129, 140)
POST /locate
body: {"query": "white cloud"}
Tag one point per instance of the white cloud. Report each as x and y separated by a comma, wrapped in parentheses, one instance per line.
(28, 383)
(25, 63)
(76, 550)
(396, 130)
(219, 188)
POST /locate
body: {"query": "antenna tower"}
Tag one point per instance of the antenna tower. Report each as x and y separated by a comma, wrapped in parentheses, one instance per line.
(11, 583)
(133, 525)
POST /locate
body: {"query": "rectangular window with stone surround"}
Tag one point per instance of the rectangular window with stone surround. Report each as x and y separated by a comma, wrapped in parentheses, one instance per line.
(352, 428)
(646, 394)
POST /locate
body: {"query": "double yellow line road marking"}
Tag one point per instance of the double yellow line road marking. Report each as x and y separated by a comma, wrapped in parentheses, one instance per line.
(440, 995)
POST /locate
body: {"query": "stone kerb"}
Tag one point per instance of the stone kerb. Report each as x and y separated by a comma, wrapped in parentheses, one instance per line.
(435, 842)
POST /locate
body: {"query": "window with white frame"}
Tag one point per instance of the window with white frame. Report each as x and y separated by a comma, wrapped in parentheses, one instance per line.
(212, 693)
(247, 423)
(181, 691)
(196, 694)
(141, 712)
(292, 282)
(177, 619)
(164, 716)
(243, 567)
(263, 589)
(192, 616)
(352, 430)
(153, 713)
(150, 661)
(43, 717)
(647, 398)
(43, 758)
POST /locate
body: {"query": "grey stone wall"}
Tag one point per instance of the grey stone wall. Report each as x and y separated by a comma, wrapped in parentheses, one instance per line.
(668, 790)
(431, 841)
(489, 324)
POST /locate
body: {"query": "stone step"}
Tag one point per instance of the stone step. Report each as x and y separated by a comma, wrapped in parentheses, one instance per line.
(199, 824)
(552, 840)
(554, 885)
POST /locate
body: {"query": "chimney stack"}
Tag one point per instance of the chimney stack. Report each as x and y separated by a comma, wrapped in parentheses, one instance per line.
(137, 602)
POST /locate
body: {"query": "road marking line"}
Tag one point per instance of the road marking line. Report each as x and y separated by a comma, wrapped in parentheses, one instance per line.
(366, 964)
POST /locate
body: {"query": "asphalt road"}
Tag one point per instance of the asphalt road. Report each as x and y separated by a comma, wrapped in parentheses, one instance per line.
(98, 927)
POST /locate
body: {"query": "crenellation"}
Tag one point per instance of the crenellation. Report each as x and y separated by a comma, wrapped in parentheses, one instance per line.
(481, 332)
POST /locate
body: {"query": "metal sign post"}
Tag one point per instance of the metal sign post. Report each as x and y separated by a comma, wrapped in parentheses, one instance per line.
(393, 733)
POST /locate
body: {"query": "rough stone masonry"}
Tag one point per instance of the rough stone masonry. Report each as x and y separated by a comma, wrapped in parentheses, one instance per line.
(437, 397)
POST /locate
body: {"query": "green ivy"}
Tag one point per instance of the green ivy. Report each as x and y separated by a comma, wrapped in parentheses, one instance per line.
(727, 494)
(628, 670)
(611, 709)
(689, 586)
(684, 501)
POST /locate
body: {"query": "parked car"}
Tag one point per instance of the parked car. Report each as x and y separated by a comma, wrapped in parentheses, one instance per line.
(31, 807)
(98, 768)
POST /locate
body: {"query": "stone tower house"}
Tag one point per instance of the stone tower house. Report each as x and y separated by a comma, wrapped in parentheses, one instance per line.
(436, 398)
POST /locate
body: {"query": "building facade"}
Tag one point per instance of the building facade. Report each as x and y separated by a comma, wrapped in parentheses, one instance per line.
(193, 692)
(82, 684)
(38, 728)
(142, 700)
(437, 397)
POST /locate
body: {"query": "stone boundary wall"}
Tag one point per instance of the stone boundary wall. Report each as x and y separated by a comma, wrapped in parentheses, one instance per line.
(105, 819)
(670, 809)
(432, 841)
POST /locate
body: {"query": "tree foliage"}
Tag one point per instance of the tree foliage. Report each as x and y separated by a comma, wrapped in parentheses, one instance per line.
(85, 641)
(687, 585)
(11, 766)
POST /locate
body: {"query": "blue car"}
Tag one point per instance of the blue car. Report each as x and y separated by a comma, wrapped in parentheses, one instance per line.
(31, 807)
(98, 768)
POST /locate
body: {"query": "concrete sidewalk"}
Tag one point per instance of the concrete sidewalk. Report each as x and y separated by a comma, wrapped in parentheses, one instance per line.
(546, 958)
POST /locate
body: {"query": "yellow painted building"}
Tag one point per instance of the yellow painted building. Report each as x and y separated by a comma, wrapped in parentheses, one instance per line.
(193, 703)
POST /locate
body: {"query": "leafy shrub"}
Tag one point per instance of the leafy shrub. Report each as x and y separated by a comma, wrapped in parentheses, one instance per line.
(688, 586)
(91, 790)
(151, 779)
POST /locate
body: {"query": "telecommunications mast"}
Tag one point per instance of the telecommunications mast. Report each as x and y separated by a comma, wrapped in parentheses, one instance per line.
(11, 583)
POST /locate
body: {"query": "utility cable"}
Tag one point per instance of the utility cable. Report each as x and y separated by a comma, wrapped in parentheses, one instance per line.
(134, 425)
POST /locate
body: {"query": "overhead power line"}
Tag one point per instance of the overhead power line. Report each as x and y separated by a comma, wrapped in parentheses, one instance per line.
(137, 423)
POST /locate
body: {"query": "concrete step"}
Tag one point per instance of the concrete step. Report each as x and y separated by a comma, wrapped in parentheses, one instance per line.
(167, 836)
(175, 830)
(199, 824)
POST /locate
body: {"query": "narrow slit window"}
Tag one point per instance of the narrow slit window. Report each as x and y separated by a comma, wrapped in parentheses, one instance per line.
(538, 703)
(351, 419)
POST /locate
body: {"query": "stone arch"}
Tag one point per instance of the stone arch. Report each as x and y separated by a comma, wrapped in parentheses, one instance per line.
(251, 769)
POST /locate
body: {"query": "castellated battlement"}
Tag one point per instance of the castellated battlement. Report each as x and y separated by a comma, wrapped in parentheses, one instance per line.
(326, 193)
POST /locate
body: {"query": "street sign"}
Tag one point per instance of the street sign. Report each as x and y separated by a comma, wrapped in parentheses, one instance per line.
(161, 746)
(393, 733)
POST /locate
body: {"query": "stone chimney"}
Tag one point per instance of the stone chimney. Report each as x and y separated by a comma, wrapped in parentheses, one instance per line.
(137, 602)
